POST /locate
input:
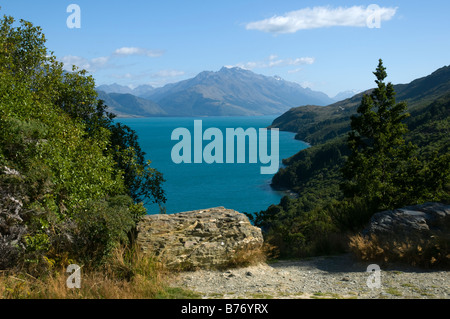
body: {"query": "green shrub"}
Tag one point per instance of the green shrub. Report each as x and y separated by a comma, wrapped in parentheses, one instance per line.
(101, 226)
(79, 180)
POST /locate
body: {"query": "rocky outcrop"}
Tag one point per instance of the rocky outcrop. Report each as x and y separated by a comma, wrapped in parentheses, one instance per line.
(419, 220)
(12, 227)
(208, 238)
(417, 235)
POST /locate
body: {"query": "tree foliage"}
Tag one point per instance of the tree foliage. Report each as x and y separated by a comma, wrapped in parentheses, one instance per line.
(387, 160)
(378, 151)
(72, 181)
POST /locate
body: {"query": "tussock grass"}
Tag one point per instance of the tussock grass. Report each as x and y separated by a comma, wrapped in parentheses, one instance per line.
(129, 275)
(424, 252)
(253, 256)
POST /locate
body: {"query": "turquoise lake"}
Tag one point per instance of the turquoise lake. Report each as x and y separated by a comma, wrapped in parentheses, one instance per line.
(197, 186)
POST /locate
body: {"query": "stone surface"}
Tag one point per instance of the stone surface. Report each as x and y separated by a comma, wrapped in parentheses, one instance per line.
(12, 228)
(208, 238)
(425, 219)
(327, 277)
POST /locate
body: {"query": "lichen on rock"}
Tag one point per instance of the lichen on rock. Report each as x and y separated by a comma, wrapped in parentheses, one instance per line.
(201, 239)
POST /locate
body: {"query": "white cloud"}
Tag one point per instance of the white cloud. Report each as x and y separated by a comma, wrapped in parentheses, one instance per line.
(155, 79)
(300, 61)
(273, 57)
(167, 74)
(273, 61)
(70, 60)
(321, 17)
(125, 51)
(307, 84)
(295, 70)
(103, 62)
(123, 76)
(83, 63)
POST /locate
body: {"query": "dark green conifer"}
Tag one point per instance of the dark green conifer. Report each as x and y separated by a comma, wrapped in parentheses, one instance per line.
(379, 152)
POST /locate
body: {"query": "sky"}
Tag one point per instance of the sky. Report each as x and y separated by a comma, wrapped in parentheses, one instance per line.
(328, 46)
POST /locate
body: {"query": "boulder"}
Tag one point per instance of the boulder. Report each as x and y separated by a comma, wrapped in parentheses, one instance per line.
(420, 220)
(208, 238)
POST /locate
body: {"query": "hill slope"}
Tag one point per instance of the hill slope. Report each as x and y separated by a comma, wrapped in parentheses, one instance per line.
(316, 124)
(139, 91)
(228, 92)
(307, 225)
(233, 91)
(325, 127)
(128, 105)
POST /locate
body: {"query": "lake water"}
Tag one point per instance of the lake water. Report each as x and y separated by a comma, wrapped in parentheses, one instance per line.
(197, 186)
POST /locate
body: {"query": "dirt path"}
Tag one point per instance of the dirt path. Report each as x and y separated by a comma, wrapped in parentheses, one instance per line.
(321, 277)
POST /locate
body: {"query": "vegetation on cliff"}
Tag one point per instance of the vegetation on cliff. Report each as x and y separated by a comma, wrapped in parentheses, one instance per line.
(365, 158)
(72, 181)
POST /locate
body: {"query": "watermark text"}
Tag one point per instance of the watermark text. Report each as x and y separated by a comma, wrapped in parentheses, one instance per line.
(235, 150)
(74, 19)
(374, 279)
(74, 279)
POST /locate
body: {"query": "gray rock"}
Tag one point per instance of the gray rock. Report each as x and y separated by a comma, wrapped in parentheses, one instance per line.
(425, 219)
(208, 238)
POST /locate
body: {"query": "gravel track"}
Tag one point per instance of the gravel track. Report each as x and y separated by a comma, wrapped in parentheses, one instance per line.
(320, 277)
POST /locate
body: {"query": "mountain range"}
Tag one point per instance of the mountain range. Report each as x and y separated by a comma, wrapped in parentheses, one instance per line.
(129, 105)
(227, 92)
(316, 170)
(316, 123)
(345, 95)
(140, 91)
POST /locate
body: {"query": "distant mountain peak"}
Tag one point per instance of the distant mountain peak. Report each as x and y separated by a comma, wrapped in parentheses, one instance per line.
(231, 68)
(114, 88)
(346, 94)
(231, 91)
(139, 90)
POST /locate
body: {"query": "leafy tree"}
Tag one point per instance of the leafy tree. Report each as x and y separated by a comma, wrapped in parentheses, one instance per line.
(28, 59)
(382, 175)
(72, 181)
(143, 182)
(379, 153)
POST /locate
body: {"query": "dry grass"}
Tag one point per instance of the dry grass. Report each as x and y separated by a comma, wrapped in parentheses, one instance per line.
(429, 252)
(129, 275)
(254, 256)
(366, 248)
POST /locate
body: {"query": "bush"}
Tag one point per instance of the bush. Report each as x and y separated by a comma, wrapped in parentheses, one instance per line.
(80, 179)
(298, 233)
(100, 227)
(416, 251)
(351, 214)
(128, 275)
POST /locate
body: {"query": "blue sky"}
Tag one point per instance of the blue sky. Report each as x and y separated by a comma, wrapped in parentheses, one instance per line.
(324, 45)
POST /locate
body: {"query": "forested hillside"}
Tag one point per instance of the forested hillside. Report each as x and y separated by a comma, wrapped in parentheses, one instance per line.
(315, 124)
(304, 225)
